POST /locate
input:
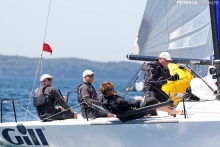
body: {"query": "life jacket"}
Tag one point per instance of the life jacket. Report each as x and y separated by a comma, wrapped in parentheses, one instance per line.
(41, 99)
(80, 99)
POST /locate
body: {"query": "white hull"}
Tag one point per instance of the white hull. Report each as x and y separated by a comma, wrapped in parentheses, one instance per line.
(201, 128)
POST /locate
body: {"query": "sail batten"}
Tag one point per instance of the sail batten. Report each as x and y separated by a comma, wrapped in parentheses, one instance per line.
(180, 29)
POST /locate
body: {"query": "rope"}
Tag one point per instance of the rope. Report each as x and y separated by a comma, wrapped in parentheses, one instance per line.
(39, 63)
(131, 82)
(30, 98)
(48, 13)
(62, 111)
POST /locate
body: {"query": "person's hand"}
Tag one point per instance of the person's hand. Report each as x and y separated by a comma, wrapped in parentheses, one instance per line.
(152, 71)
(176, 76)
(61, 108)
(75, 115)
(64, 98)
(138, 98)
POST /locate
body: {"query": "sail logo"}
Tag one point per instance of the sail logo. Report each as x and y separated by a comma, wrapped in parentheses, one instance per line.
(196, 2)
(194, 61)
(186, 3)
(29, 136)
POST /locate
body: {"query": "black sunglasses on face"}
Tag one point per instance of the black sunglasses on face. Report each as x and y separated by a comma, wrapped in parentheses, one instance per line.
(166, 60)
(112, 89)
(49, 79)
(90, 75)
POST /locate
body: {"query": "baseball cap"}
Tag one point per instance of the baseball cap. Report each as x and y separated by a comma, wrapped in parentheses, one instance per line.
(87, 73)
(46, 76)
(165, 55)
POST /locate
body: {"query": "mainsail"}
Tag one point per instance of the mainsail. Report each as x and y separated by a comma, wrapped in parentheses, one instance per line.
(182, 28)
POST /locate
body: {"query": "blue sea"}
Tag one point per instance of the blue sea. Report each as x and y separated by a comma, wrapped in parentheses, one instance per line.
(22, 89)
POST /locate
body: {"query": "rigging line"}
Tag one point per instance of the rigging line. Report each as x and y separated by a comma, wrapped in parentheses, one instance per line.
(129, 83)
(39, 61)
(47, 22)
(32, 88)
(126, 95)
(62, 112)
(132, 81)
(41, 66)
(25, 109)
(197, 103)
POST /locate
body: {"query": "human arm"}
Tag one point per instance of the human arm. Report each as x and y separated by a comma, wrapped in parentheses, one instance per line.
(174, 77)
(85, 94)
(58, 98)
(124, 103)
(148, 67)
(152, 69)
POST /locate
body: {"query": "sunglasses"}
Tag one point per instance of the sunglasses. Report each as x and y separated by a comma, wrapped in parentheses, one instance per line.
(112, 89)
(48, 79)
(90, 75)
(166, 60)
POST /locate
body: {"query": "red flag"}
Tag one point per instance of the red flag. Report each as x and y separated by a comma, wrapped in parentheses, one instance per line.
(47, 48)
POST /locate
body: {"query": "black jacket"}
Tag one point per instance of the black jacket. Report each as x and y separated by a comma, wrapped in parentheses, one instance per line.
(117, 105)
(160, 75)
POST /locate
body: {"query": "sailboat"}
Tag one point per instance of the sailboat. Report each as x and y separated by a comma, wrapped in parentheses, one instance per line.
(188, 30)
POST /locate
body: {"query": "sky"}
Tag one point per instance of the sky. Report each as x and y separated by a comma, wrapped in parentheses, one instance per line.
(97, 30)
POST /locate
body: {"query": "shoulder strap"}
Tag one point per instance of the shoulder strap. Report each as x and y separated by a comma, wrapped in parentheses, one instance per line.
(44, 88)
(88, 86)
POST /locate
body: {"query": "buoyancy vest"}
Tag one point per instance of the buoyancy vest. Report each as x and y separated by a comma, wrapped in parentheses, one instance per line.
(41, 99)
(80, 99)
(83, 103)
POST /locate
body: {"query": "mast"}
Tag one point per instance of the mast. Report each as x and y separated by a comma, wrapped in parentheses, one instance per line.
(214, 6)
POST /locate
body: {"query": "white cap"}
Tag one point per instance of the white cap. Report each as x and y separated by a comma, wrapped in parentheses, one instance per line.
(87, 72)
(46, 76)
(165, 55)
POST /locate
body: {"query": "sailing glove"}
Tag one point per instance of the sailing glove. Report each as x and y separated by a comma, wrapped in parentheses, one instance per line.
(175, 77)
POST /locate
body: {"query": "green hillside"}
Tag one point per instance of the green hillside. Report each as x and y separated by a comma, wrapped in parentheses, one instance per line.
(66, 67)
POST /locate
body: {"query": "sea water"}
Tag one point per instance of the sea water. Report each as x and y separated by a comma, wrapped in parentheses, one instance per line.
(21, 90)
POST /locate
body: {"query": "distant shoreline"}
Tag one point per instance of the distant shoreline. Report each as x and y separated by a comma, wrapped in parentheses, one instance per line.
(18, 66)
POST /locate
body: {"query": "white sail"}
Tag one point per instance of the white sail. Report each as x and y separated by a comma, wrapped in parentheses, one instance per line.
(183, 30)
